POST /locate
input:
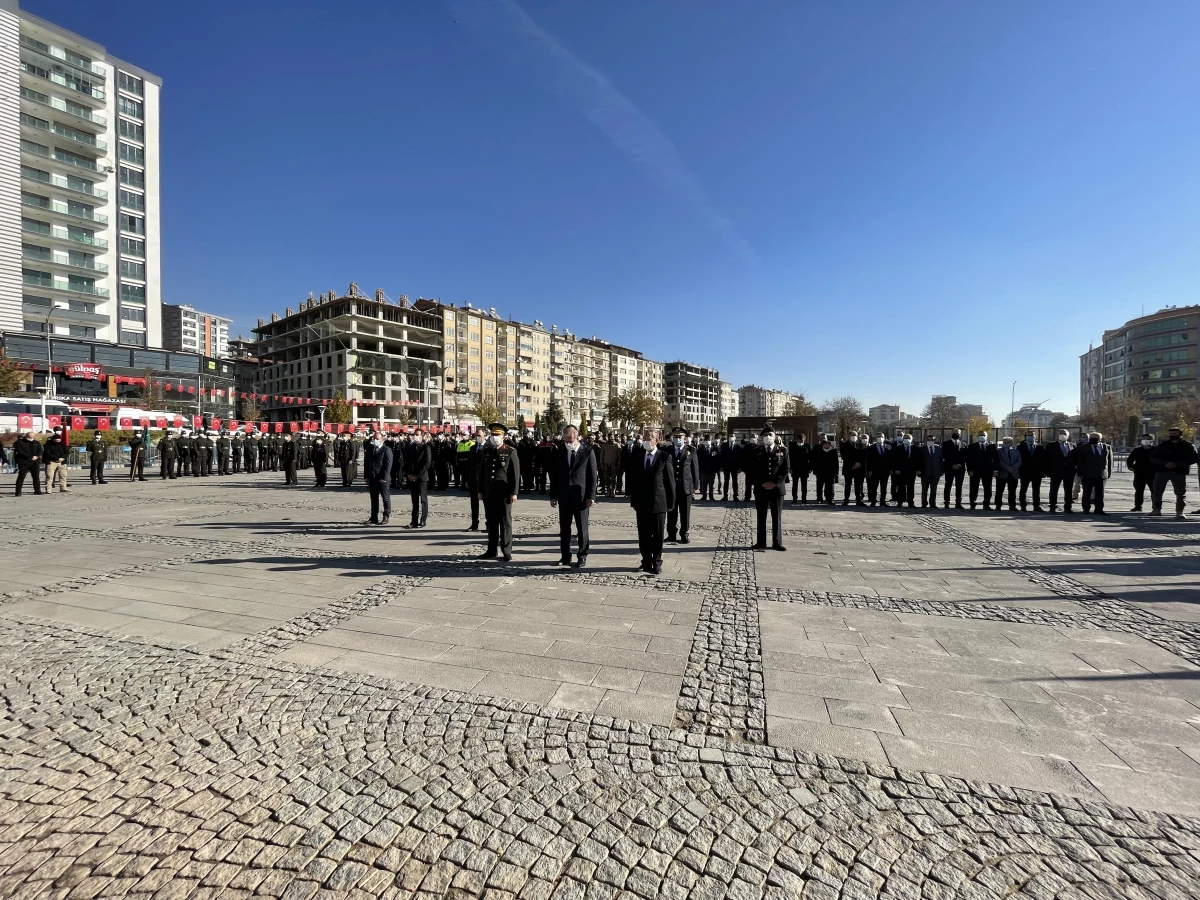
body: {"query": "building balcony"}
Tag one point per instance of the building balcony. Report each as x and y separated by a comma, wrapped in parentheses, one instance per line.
(83, 139)
(63, 183)
(49, 259)
(77, 112)
(49, 284)
(36, 150)
(61, 234)
(58, 207)
(62, 56)
(71, 84)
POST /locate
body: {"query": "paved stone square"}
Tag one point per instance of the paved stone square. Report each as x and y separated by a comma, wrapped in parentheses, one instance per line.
(225, 688)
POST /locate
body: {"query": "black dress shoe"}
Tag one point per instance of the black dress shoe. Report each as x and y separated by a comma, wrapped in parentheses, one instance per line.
(671, 539)
(370, 522)
(487, 554)
(565, 561)
(780, 548)
(508, 557)
(657, 570)
(685, 540)
(581, 562)
(759, 547)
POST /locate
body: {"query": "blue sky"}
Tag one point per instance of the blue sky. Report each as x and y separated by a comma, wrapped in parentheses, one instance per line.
(887, 200)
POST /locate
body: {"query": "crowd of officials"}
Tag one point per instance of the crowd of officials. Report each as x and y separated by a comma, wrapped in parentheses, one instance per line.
(660, 479)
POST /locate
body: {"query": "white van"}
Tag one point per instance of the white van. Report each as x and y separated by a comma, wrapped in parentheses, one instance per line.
(12, 408)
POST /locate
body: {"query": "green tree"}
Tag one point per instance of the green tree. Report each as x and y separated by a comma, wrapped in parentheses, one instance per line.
(846, 412)
(12, 379)
(486, 411)
(250, 409)
(553, 417)
(799, 406)
(634, 409)
(978, 425)
(339, 412)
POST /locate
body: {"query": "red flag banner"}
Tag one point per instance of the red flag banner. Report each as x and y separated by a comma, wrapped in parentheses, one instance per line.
(78, 422)
(340, 428)
(234, 425)
(197, 421)
(102, 423)
(217, 424)
(294, 427)
(279, 428)
(24, 420)
(262, 427)
(178, 422)
(125, 422)
(249, 427)
(160, 422)
(144, 422)
(327, 428)
(54, 421)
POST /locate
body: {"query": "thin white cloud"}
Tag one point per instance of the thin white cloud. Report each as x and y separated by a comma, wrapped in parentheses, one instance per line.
(628, 128)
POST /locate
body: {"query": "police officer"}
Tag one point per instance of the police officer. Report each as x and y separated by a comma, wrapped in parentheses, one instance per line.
(768, 470)
(202, 462)
(499, 483)
(320, 458)
(97, 453)
(687, 481)
(235, 451)
(224, 446)
(183, 453)
(166, 456)
(288, 459)
(250, 451)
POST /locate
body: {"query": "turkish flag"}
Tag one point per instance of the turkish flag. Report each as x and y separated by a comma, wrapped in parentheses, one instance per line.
(102, 423)
(233, 426)
(279, 428)
(125, 422)
(294, 426)
(145, 423)
(341, 428)
(327, 428)
(262, 427)
(197, 421)
(191, 390)
(249, 427)
(78, 422)
(217, 424)
(24, 420)
(54, 421)
(160, 422)
(178, 421)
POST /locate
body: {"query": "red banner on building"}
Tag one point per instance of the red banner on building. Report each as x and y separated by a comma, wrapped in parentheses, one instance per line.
(24, 420)
(102, 423)
(178, 421)
(197, 421)
(160, 422)
(78, 422)
(54, 421)
(125, 422)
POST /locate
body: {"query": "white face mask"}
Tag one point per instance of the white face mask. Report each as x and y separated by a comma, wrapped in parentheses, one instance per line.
(497, 440)
(929, 443)
(768, 440)
(907, 442)
(1063, 437)
(983, 439)
(648, 446)
(879, 440)
(1146, 442)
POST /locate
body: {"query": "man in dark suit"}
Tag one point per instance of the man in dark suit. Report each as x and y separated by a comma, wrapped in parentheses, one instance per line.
(929, 465)
(1008, 472)
(824, 462)
(574, 493)
(377, 463)
(1059, 464)
(1093, 463)
(708, 456)
(731, 465)
(798, 453)
(1031, 470)
(954, 467)
(854, 456)
(904, 471)
(650, 483)
(417, 463)
(473, 474)
(981, 469)
(878, 466)
(687, 482)
(769, 472)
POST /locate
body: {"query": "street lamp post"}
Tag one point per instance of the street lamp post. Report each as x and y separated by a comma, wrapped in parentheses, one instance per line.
(322, 409)
(48, 328)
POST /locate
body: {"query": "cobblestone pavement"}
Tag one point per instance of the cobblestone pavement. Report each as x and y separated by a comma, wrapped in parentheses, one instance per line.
(228, 689)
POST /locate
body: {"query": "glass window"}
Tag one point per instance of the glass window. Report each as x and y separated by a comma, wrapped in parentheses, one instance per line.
(133, 177)
(132, 314)
(184, 363)
(83, 331)
(137, 338)
(112, 356)
(132, 130)
(133, 200)
(132, 154)
(131, 83)
(131, 269)
(136, 224)
(81, 306)
(133, 293)
(128, 107)
(33, 326)
(153, 359)
(61, 351)
(133, 247)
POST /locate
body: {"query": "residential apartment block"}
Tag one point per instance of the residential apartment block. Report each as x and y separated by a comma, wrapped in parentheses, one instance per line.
(731, 402)
(759, 401)
(184, 328)
(79, 187)
(693, 395)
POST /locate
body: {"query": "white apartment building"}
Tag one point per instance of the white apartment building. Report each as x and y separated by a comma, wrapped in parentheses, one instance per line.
(759, 401)
(79, 187)
(731, 403)
(693, 395)
(651, 378)
(580, 375)
(185, 328)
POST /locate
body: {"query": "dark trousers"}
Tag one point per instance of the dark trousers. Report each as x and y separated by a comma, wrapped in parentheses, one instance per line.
(541, 481)
(1093, 494)
(97, 462)
(167, 467)
(31, 469)
(730, 476)
(580, 516)
(1036, 482)
(1140, 484)
(499, 522)
(876, 483)
(181, 465)
(1011, 484)
(800, 481)
(222, 463)
(206, 463)
(986, 481)
(319, 472)
(348, 473)
(527, 479)
(929, 491)
(825, 485)
(1177, 480)
(706, 485)
(953, 477)
(651, 529)
(854, 478)
(764, 502)
(380, 490)
(237, 463)
(474, 490)
(1067, 481)
(442, 471)
(137, 467)
(289, 473)
(419, 491)
(680, 515)
(904, 487)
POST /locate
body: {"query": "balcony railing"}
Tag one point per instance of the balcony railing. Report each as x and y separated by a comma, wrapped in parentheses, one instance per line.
(43, 282)
(63, 209)
(63, 81)
(67, 134)
(62, 56)
(61, 181)
(48, 257)
(60, 234)
(78, 112)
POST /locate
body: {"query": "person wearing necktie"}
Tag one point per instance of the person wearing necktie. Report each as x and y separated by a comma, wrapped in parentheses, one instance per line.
(1031, 470)
(904, 471)
(650, 484)
(1093, 465)
(879, 469)
(954, 465)
(981, 468)
(574, 494)
(687, 482)
(1008, 470)
(1059, 463)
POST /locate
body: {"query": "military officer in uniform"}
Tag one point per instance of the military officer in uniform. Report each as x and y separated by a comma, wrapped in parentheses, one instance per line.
(166, 456)
(235, 451)
(202, 464)
(499, 484)
(250, 451)
(183, 451)
(687, 481)
(288, 459)
(97, 453)
(320, 458)
(769, 472)
(137, 457)
(224, 446)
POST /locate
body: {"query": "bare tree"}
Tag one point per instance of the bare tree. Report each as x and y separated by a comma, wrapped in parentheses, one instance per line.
(799, 406)
(944, 412)
(846, 411)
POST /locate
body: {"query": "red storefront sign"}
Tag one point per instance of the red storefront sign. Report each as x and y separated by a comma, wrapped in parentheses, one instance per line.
(84, 371)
